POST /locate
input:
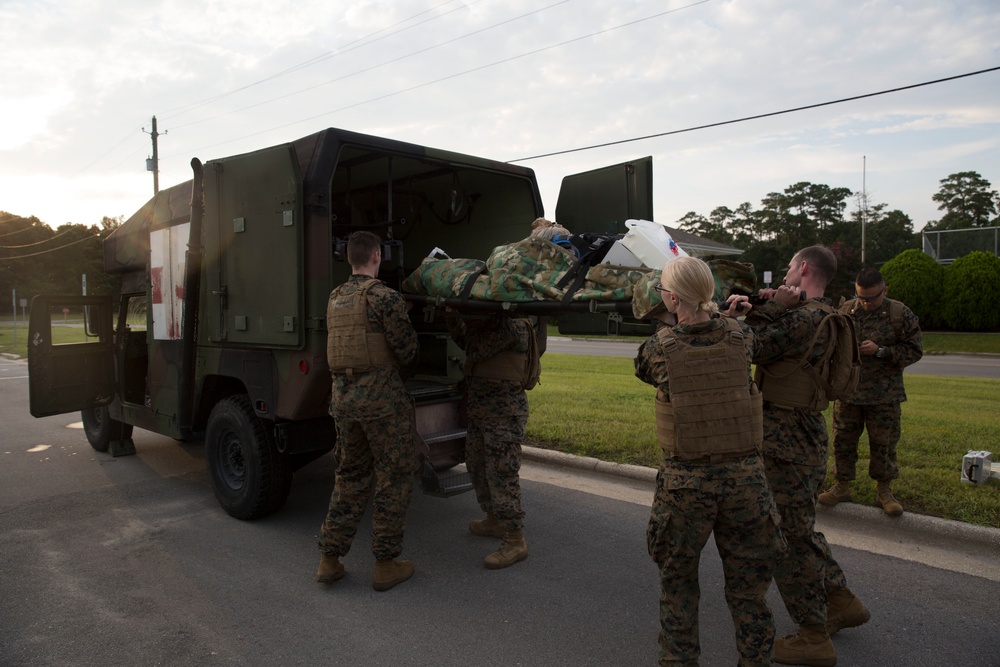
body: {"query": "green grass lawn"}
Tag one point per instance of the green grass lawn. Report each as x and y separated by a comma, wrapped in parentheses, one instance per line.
(14, 340)
(934, 342)
(594, 406)
(943, 343)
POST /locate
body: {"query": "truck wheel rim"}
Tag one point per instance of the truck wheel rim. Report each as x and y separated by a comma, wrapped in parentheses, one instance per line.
(232, 464)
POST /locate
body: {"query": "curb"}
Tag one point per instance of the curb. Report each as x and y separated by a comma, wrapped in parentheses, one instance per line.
(861, 519)
(589, 464)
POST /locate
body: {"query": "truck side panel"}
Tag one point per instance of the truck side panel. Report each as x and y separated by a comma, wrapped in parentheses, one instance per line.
(252, 283)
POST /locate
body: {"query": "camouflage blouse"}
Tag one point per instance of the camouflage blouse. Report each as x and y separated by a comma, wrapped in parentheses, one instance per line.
(882, 379)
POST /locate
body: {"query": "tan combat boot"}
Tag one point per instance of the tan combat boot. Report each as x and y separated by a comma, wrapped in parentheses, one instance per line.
(512, 550)
(844, 610)
(330, 569)
(883, 494)
(838, 493)
(390, 572)
(488, 527)
(811, 646)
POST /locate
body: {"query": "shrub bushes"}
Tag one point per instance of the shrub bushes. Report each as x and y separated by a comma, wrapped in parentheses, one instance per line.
(971, 293)
(916, 279)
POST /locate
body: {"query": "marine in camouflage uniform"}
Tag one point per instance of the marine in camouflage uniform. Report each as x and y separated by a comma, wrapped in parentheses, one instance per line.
(810, 581)
(375, 427)
(795, 447)
(497, 416)
(887, 346)
(694, 499)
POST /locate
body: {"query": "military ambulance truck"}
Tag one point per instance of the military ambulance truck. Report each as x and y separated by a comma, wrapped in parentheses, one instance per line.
(219, 333)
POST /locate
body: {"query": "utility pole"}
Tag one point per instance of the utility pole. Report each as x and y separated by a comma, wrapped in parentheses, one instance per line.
(864, 205)
(153, 163)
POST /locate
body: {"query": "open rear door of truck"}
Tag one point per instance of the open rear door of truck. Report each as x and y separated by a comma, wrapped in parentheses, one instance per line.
(601, 200)
(70, 354)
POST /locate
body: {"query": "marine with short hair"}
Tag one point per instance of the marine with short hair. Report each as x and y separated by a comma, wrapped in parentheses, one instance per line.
(811, 582)
(890, 341)
(369, 337)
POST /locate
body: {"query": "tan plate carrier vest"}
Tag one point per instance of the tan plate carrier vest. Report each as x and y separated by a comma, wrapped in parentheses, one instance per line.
(788, 383)
(506, 365)
(713, 411)
(351, 346)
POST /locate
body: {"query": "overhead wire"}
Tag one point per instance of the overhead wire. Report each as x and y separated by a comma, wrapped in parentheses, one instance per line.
(459, 74)
(31, 245)
(357, 43)
(51, 250)
(107, 152)
(374, 67)
(758, 116)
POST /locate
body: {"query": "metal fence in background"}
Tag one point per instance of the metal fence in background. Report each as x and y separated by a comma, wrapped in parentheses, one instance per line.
(947, 245)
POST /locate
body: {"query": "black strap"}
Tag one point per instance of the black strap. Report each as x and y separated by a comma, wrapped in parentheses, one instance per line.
(470, 282)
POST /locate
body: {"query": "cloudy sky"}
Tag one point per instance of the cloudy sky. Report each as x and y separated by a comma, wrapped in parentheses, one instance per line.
(503, 79)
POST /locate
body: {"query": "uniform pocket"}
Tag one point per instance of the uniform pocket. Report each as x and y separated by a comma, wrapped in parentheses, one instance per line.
(657, 534)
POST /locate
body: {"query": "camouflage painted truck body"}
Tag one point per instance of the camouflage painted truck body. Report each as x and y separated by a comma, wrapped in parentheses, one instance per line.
(219, 334)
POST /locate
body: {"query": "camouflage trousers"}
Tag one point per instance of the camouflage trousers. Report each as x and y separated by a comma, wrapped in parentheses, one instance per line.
(882, 424)
(730, 499)
(498, 414)
(377, 454)
(809, 570)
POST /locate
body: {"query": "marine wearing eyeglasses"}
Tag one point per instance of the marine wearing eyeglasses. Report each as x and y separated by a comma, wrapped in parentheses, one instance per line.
(890, 340)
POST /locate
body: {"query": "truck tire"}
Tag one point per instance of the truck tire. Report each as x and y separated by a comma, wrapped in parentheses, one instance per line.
(250, 477)
(101, 429)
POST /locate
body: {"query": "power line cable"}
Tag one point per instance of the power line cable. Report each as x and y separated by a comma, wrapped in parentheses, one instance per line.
(758, 116)
(457, 74)
(374, 67)
(51, 250)
(355, 44)
(106, 153)
(31, 245)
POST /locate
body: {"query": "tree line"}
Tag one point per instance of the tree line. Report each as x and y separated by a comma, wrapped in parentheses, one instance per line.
(37, 259)
(806, 213)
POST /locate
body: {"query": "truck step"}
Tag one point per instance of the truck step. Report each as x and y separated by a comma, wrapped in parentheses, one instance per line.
(443, 486)
(445, 436)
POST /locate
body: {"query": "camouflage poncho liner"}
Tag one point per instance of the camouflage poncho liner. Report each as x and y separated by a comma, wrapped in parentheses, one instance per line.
(531, 270)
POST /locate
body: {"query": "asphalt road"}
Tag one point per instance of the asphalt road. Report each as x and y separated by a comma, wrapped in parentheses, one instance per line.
(130, 561)
(955, 365)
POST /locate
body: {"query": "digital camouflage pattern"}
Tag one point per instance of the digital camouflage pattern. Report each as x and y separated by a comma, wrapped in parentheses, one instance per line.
(530, 270)
(608, 282)
(875, 406)
(379, 454)
(375, 427)
(882, 379)
(809, 571)
(445, 277)
(694, 500)
(732, 277)
(882, 423)
(795, 448)
(497, 416)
